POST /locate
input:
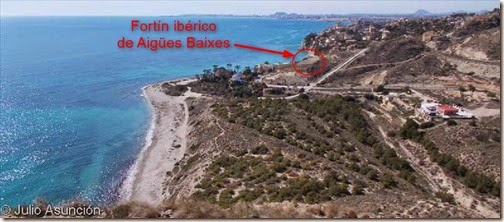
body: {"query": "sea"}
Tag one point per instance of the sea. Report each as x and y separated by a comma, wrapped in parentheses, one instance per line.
(72, 116)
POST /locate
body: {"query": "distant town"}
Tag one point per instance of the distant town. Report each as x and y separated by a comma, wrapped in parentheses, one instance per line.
(353, 17)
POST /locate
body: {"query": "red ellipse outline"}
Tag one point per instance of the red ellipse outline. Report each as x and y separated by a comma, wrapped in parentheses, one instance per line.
(309, 74)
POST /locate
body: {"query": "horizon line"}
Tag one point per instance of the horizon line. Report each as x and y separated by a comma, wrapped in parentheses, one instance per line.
(256, 15)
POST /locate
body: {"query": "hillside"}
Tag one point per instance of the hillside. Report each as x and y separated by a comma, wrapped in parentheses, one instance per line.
(300, 151)
(392, 51)
(352, 142)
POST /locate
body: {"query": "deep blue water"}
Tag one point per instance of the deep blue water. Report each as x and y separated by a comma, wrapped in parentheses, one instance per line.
(72, 119)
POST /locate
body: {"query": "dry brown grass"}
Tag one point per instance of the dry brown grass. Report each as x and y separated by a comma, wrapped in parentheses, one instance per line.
(192, 208)
(332, 211)
(133, 209)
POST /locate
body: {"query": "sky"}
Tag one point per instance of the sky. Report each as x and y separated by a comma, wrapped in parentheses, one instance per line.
(237, 7)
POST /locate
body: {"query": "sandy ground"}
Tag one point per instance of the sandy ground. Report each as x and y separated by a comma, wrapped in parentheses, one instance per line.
(167, 145)
(375, 80)
(484, 111)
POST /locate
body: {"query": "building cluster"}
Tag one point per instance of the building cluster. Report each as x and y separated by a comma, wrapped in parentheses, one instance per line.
(430, 110)
(354, 36)
(357, 31)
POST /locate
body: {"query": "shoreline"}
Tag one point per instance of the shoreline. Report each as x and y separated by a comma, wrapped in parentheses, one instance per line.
(126, 189)
(165, 144)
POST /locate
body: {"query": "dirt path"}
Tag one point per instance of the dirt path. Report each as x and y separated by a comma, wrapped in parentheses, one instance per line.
(375, 80)
(484, 111)
(437, 179)
(221, 134)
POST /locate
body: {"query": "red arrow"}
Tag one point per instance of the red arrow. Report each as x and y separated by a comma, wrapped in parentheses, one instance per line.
(285, 53)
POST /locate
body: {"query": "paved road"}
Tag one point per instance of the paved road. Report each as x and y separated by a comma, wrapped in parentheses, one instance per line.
(348, 61)
(457, 57)
(325, 76)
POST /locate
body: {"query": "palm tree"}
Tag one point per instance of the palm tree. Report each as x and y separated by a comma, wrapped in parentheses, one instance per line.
(206, 71)
(237, 67)
(206, 74)
(247, 70)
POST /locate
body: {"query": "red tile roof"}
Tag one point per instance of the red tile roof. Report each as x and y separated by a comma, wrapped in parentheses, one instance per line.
(447, 108)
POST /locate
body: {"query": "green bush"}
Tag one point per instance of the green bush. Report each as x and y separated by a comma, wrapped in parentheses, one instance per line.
(426, 125)
(121, 211)
(472, 123)
(369, 96)
(338, 190)
(331, 178)
(389, 158)
(479, 182)
(249, 195)
(337, 109)
(357, 189)
(388, 181)
(380, 88)
(261, 149)
(373, 175)
(391, 133)
(451, 123)
(446, 197)
(410, 130)
(307, 190)
(260, 173)
(226, 198)
(280, 134)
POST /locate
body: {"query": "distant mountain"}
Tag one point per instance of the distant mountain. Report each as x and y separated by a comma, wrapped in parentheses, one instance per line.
(483, 12)
(421, 12)
(336, 17)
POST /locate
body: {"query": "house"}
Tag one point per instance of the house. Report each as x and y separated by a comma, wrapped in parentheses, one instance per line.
(339, 27)
(348, 36)
(372, 29)
(236, 78)
(458, 106)
(463, 114)
(384, 33)
(429, 109)
(447, 110)
(262, 68)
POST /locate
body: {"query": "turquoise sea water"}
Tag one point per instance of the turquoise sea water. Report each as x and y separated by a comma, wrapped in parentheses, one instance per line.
(72, 118)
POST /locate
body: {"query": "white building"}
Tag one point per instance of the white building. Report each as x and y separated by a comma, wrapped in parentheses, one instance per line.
(429, 108)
